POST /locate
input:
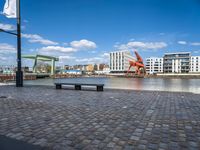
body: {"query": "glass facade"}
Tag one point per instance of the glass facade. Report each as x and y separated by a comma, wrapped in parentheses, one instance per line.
(176, 62)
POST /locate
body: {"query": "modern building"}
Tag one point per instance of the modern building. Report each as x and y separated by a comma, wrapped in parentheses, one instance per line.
(76, 72)
(119, 61)
(102, 66)
(7, 69)
(105, 71)
(176, 62)
(195, 64)
(90, 68)
(154, 65)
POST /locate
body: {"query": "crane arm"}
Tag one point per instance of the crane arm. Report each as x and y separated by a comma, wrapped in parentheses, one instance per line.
(139, 58)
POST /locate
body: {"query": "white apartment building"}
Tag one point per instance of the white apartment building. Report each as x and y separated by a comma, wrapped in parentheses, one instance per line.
(178, 62)
(195, 64)
(154, 65)
(119, 61)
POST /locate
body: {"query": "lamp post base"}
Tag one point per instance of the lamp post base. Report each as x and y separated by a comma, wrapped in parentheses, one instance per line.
(19, 79)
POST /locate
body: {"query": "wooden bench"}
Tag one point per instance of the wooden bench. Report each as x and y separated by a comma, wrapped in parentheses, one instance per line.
(77, 86)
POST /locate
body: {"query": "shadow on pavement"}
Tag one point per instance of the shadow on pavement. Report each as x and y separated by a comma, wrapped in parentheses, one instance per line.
(12, 144)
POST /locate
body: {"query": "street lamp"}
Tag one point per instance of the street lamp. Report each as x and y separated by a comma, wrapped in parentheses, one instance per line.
(1, 30)
(19, 73)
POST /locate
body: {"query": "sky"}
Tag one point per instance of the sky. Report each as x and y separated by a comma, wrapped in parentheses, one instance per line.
(85, 31)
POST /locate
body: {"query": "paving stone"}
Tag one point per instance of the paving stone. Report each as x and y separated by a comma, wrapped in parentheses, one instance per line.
(136, 138)
(193, 144)
(113, 119)
(141, 147)
(111, 145)
(129, 147)
(152, 146)
(163, 145)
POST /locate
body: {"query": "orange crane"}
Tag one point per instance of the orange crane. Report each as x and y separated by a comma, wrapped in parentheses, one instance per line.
(137, 64)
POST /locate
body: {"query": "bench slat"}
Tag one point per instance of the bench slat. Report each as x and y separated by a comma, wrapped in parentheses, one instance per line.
(86, 84)
(99, 87)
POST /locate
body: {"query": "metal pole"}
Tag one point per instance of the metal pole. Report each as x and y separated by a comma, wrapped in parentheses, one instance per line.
(1, 30)
(19, 73)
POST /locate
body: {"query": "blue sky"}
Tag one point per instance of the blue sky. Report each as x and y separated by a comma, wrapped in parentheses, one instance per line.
(85, 31)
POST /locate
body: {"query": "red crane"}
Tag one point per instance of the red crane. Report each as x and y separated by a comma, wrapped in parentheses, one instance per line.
(137, 64)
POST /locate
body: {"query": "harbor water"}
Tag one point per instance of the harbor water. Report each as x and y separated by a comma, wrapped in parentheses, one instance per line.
(155, 84)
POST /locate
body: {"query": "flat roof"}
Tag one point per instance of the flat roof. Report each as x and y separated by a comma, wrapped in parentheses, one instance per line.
(177, 53)
(154, 57)
(195, 56)
(120, 51)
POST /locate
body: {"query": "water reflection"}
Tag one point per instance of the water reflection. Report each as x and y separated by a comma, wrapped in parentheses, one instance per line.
(181, 85)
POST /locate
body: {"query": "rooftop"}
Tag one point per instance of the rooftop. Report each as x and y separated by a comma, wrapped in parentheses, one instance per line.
(178, 53)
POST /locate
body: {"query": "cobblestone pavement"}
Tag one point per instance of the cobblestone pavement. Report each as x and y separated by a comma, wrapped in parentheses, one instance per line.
(89, 120)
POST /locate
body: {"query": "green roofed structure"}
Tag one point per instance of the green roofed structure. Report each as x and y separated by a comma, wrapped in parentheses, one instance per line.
(42, 58)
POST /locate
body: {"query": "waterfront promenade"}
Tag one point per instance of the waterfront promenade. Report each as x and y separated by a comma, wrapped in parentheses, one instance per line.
(113, 119)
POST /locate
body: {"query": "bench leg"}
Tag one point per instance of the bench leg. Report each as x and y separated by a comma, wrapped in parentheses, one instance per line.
(58, 86)
(77, 87)
(99, 88)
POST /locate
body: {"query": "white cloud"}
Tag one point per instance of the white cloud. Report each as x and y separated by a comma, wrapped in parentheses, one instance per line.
(105, 55)
(8, 60)
(182, 42)
(7, 27)
(34, 38)
(82, 61)
(143, 45)
(121, 47)
(66, 57)
(32, 50)
(147, 45)
(195, 44)
(102, 58)
(94, 60)
(93, 52)
(90, 60)
(83, 44)
(7, 54)
(7, 48)
(74, 47)
(58, 49)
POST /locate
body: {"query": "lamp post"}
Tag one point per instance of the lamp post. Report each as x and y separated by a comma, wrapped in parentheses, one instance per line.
(1, 30)
(19, 73)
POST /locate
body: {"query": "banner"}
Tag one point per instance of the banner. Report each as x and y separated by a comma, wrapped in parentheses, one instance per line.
(10, 9)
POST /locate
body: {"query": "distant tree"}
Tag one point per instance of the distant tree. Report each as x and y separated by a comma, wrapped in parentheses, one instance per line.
(101, 66)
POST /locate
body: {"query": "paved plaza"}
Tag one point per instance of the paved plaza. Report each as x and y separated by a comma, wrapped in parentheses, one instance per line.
(90, 120)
